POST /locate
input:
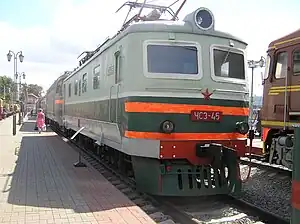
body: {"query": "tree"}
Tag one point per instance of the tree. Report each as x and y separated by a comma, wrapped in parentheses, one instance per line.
(6, 88)
(35, 89)
(31, 88)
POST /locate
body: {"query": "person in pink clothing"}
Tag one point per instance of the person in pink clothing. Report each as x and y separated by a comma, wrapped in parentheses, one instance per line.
(40, 121)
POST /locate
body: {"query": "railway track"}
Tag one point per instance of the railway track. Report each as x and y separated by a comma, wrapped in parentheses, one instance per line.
(184, 210)
(255, 162)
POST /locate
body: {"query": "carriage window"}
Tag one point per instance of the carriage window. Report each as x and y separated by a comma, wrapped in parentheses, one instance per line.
(84, 83)
(79, 88)
(267, 69)
(281, 65)
(117, 67)
(58, 89)
(76, 87)
(172, 59)
(296, 62)
(96, 78)
(229, 64)
(69, 89)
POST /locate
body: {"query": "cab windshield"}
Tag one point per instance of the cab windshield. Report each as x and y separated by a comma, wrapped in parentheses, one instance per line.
(172, 59)
(228, 64)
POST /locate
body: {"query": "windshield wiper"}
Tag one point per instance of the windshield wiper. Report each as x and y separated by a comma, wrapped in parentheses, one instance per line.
(225, 59)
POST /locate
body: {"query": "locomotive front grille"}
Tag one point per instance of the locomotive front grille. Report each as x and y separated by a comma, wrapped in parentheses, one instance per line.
(203, 177)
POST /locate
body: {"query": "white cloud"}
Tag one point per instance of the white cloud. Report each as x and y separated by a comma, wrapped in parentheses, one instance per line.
(51, 50)
(77, 27)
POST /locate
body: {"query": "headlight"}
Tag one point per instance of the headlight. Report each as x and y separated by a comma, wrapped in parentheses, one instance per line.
(242, 127)
(204, 18)
(167, 127)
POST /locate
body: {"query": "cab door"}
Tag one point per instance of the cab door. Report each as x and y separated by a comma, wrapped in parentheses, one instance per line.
(279, 78)
(295, 84)
(114, 108)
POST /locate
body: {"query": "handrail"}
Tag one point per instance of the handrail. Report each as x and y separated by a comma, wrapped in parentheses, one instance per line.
(109, 103)
(117, 101)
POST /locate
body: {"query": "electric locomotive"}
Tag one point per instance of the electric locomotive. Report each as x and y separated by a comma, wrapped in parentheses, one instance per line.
(281, 108)
(164, 101)
(54, 102)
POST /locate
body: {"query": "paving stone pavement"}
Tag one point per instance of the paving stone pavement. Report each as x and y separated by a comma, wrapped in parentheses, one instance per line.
(39, 184)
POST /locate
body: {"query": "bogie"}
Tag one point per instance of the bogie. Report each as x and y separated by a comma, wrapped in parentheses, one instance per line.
(279, 148)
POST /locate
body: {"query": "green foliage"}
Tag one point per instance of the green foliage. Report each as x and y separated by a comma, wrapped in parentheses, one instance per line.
(7, 87)
(35, 89)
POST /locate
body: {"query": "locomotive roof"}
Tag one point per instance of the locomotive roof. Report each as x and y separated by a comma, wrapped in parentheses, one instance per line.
(286, 40)
(61, 77)
(158, 26)
(176, 27)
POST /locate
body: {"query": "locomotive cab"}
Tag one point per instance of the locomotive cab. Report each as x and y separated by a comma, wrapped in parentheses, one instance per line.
(188, 64)
(281, 109)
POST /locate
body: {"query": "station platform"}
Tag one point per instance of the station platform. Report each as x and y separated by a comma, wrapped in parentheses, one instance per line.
(39, 184)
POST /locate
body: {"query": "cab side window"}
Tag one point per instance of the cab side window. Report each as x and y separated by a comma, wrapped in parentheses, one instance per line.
(69, 89)
(84, 83)
(267, 68)
(296, 62)
(96, 78)
(281, 65)
(76, 87)
(79, 88)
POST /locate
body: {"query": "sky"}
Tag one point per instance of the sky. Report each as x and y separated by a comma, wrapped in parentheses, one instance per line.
(53, 33)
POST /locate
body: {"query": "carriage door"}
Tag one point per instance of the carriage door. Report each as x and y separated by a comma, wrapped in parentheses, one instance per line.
(295, 84)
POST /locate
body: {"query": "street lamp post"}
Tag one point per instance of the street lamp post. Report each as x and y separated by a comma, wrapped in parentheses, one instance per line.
(9, 55)
(253, 64)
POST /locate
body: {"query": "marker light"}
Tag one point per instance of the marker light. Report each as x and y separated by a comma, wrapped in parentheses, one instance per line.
(167, 126)
(242, 127)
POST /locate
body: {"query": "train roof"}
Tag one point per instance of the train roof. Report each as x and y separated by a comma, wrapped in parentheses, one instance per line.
(199, 22)
(175, 27)
(159, 26)
(63, 76)
(292, 38)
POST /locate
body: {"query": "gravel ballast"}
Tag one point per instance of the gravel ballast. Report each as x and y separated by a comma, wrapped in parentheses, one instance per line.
(267, 190)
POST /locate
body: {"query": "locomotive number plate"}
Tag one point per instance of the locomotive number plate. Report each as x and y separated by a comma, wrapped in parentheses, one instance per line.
(212, 116)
